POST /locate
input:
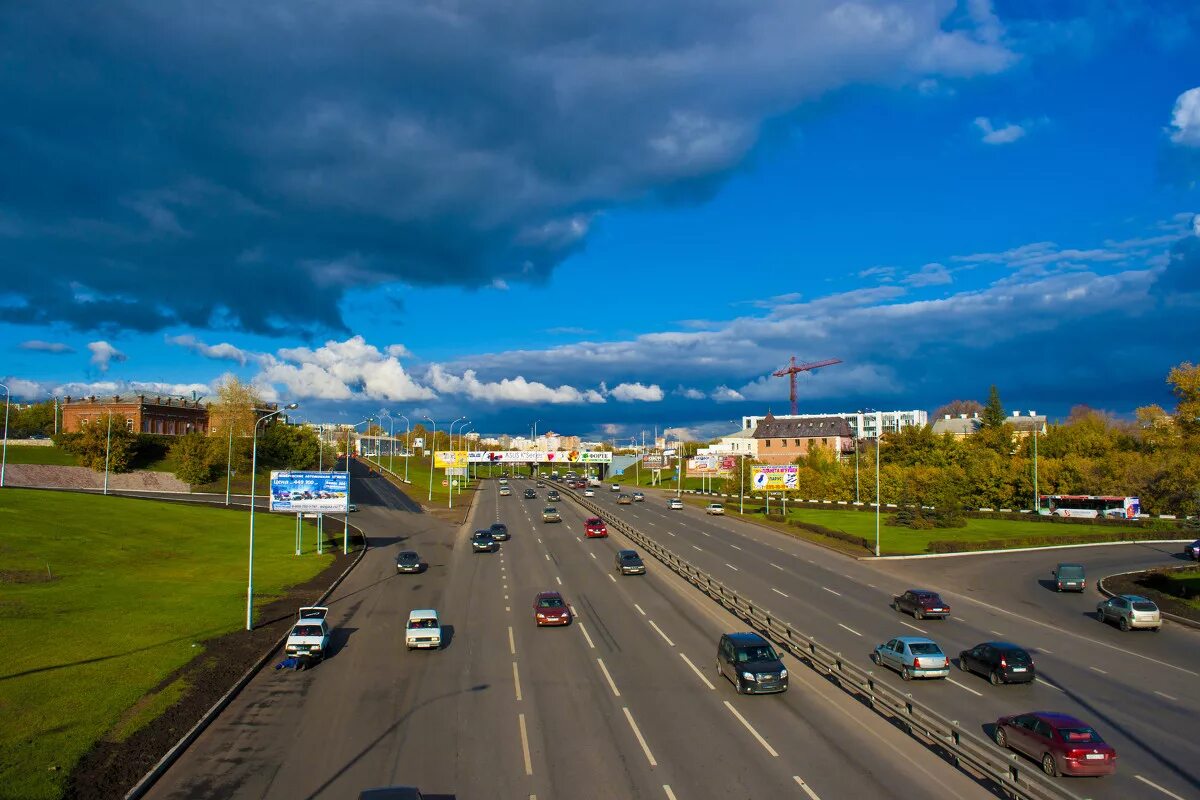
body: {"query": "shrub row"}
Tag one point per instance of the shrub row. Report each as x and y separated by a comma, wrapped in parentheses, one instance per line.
(841, 536)
(952, 546)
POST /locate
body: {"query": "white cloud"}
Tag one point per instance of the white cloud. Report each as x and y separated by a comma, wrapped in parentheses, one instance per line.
(222, 352)
(690, 393)
(723, 394)
(30, 389)
(629, 392)
(27, 390)
(1196, 225)
(507, 390)
(104, 353)
(1185, 119)
(930, 275)
(992, 135)
(343, 370)
(46, 347)
(398, 351)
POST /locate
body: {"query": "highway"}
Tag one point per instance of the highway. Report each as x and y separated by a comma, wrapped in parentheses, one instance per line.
(1137, 689)
(624, 702)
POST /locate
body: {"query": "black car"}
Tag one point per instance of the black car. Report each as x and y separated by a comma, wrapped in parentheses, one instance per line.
(630, 563)
(751, 664)
(499, 531)
(484, 542)
(408, 561)
(1192, 550)
(530, 494)
(553, 496)
(999, 662)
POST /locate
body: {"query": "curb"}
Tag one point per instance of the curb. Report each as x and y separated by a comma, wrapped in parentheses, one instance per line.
(1021, 550)
(1178, 620)
(150, 778)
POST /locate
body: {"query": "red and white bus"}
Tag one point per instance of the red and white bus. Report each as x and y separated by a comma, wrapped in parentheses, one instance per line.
(1089, 506)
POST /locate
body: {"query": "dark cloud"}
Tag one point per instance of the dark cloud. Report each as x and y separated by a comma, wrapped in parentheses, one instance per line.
(240, 164)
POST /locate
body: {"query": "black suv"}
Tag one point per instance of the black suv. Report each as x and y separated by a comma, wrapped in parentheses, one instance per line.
(1000, 662)
(553, 496)
(751, 664)
(484, 542)
(499, 531)
(630, 563)
(530, 494)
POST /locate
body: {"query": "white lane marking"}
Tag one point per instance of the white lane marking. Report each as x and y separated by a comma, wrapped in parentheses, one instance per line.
(996, 632)
(660, 633)
(811, 561)
(967, 688)
(580, 538)
(1164, 694)
(847, 627)
(670, 794)
(1047, 683)
(1097, 669)
(1050, 652)
(750, 728)
(732, 567)
(776, 566)
(639, 608)
(593, 555)
(649, 523)
(696, 548)
(506, 608)
(709, 535)
(611, 578)
(811, 794)
(735, 547)
(558, 579)
(517, 681)
(587, 636)
(505, 597)
(640, 738)
(670, 534)
(1156, 786)
(872, 585)
(612, 684)
(525, 745)
(914, 627)
(539, 540)
(831, 591)
(699, 674)
(547, 556)
(776, 591)
(512, 643)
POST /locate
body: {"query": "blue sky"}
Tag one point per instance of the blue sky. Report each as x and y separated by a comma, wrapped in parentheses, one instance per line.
(604, 219)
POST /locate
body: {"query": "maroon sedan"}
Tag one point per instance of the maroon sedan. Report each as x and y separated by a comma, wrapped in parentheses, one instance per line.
(1063, 744)
(549, 608)
(594, 528)
(921, 603)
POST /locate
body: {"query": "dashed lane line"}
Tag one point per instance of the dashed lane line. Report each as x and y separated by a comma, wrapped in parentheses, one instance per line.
(512, 644)
(750, 728)
(586, 635)
(639, 608)
(776, 591)
(1048, 683)
(732, 567)
(807, 789)
(699, 674)
(847, 627)
(1164, 694)
(910, 625)
(611, 683)
(831, 591)
(558, 579)
(525, 745)
(776, 566)
(965, 687)
(517, 681)
(1156, 786)
(660, 633)
(641, 739)
(669, 793)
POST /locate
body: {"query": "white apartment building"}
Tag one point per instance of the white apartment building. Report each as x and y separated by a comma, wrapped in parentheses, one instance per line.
(863, 424)
(738, 443)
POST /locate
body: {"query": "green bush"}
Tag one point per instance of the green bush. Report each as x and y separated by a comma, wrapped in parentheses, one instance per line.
(954, 546)
(841, 536)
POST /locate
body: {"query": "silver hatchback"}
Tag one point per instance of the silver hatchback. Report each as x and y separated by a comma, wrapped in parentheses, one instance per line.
(1130, 611)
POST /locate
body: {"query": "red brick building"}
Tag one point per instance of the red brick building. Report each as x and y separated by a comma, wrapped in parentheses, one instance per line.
(782, 441)
(173, 416)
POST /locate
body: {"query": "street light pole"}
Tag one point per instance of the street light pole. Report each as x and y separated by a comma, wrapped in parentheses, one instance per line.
(856, 468)
(407, 445)
(1037, 500)
(432, 448)
(229, 464)
(253, 474)
(392, 442)
(4, 452)
(346, 524)
(878, 502)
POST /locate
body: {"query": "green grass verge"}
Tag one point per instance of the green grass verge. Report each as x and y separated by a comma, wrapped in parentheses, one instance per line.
(136, 586)
(419, 479)
(33, 454)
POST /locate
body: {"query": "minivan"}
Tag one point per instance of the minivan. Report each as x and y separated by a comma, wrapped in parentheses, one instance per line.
(1069, 578)
(751, 664)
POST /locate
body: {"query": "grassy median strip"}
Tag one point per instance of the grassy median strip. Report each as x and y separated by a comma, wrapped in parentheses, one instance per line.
(101, 598)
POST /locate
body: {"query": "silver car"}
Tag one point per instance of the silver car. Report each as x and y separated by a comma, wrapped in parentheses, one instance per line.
(913, 657)
(1130, 611)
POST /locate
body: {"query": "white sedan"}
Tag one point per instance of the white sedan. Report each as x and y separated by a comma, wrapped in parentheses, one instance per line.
(714, 508)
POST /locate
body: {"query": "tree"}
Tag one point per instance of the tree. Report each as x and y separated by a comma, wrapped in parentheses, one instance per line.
(957, 407)
(193, 459)
(1156, 429)
(1184, 380)
(92, 443)
(993, 413)
(236, 406)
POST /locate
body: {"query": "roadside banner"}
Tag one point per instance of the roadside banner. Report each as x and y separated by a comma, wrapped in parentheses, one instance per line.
(539, 457)
(418, 442)
(595, 457)
(775, 478)
(460, 472)
(443, 459)
(653, 461)
(309, 492)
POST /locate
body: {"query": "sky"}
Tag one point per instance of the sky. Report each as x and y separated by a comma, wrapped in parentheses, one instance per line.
(603, 219)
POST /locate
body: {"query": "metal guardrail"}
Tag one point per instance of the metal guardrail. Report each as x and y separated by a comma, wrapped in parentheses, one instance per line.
(1009, 773)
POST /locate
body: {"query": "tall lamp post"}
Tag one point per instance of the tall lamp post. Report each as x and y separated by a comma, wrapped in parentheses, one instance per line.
(107, 447)
(4, 452)
(432, 449)
(407, 445)
(392, 436)
(462, 442)
(1037, 501)
(346, 526)
(878, 501)
(253, 475)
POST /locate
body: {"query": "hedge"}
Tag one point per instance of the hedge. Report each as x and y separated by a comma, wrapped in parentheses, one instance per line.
(955, 546)
(841, 536)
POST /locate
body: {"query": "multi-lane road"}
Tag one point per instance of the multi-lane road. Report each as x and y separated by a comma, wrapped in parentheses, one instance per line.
(625, 702)
(1138, 689)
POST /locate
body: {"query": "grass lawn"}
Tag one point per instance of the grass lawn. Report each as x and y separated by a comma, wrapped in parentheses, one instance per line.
(136, 585)
(418, 486)
(33, 454)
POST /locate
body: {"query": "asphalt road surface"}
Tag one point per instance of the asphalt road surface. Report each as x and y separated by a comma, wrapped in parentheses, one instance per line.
(624, 702)
(1139, 689)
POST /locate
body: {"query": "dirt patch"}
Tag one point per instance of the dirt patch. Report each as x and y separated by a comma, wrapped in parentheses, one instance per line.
(1142, 583)
(26, 576)
(111, 767)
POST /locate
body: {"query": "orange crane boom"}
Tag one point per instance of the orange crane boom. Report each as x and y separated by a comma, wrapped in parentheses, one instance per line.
(793, 368)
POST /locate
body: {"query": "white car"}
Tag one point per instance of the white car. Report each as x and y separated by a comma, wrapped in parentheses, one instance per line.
(616, 487)
(589, 492)
(424, 630)
(505, 491)
(675, 504)
(715, 508)
(310, 634)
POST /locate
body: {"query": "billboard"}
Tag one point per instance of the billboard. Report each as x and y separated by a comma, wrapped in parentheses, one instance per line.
(653, 461)
(443, 459)
(775, 478)
(538, 457)
(418, 442)
(593, 457)
(311, 492)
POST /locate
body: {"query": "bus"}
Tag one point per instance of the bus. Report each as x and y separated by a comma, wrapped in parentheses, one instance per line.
(1089, 506)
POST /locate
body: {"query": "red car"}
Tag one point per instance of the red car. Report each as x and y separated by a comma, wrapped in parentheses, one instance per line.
(1063, 744)
(549, 608)
(921, 603)
(595, 528)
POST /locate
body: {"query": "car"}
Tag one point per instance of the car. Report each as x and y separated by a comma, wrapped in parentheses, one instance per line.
(922, 604)
(1069, 578)
(912, 657)
(549, 608)
(716, 509)
(589, 492)
(751, 664)
(484, 542)
(1063, 744)
(550, 514)
(1130, 611)
(391, 793)
(999, 662)
(409, 561)
(594, 528)
(1192, 550)
(530, 494)
(674, 504)
(505, 491)
(630, 563)
(540, 484)
(553, 496)
(310, 635)
(624, 499)
(352, 507)
(503, 481)
(499, 531)
(424, 630)
(616, 487)
(638, 497)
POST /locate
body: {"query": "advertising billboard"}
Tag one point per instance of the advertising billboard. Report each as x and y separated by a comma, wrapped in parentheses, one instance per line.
(309, 492)
(418, 442)
(538, 457)
(775, 478)
(594, 457)
(443, 459)
(653, 461)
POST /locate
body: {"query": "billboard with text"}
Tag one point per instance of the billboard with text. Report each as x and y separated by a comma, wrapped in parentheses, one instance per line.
(539, 457)
(775, 478)
(309, 492)
(444, 459)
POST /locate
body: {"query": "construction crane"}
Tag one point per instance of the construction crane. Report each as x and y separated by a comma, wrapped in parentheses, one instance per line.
(791, 371)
